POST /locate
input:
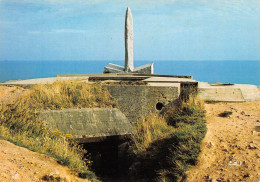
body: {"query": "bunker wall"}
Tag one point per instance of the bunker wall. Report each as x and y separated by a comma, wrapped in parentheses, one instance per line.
(87, 122)
(138, 101)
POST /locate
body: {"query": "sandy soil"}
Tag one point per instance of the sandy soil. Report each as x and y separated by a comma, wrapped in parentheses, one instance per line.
(21, 164)
(231, 148)
(9, 93)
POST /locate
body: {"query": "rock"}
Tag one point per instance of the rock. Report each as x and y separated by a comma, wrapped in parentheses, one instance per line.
(258, 121)
(206, 177)
(5, 151)
(225, 114)
(235, 163)
(252, 146)
(246, 175)
(15, 176)
(243, 113)
(235, 109)
(225, 150)
(220, 179)
(238, 147)
(53, 176)
(210, 144)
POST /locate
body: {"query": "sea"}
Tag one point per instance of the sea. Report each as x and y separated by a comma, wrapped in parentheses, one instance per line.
(240, 72)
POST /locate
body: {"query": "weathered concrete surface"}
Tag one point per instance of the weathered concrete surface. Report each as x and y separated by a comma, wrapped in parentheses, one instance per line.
(228, 93)
(87, 122)
(99, 77)
(145, 69)
(138, 101)
(124, 74)
(43, 80)
(169, 80)
(113, 68)
(129, 42)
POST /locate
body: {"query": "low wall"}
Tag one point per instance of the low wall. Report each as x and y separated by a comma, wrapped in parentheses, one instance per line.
(229, 93)
(136, 101)
(221, 94)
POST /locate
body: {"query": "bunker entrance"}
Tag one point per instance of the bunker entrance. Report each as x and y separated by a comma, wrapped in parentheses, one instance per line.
(109, 157)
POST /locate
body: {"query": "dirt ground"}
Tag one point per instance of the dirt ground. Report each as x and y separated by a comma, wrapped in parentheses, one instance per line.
(22, 165)
(231, 148)
(9, 93)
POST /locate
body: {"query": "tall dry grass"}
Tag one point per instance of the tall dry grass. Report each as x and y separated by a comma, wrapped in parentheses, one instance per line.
(149, 129)
(20, 123)
(71, 95)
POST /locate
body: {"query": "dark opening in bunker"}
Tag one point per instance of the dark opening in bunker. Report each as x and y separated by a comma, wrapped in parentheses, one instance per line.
(109, 158)
(159, 106)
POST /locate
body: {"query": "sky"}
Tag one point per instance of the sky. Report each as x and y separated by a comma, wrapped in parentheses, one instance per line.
(163, 29)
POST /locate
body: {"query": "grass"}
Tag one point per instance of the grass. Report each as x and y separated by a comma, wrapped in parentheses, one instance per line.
(19, 122)
(148, 130)
(172, 143)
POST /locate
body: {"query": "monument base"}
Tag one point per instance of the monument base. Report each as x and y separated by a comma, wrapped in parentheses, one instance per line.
(113, 68)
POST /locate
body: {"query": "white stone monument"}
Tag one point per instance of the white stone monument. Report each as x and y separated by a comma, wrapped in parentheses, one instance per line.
(129, 41)
(129, 52)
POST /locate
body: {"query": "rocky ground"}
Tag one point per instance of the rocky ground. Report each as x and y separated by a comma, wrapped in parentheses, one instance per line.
(231, 148)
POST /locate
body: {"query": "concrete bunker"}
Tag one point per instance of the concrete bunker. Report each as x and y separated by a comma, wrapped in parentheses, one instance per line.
(103, 132)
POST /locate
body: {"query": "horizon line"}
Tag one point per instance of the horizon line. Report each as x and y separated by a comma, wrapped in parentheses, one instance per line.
(135, 60)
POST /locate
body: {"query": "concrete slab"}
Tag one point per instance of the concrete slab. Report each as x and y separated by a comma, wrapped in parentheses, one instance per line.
(42, 80)
(169, 80)
(87, 122)
(124, 74)
(158, 84)
(229, 93)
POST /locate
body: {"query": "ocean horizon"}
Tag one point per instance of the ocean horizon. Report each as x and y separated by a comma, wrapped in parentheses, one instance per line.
(239, 72)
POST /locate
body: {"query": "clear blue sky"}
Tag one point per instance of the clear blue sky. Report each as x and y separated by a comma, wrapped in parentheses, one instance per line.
(163, 30)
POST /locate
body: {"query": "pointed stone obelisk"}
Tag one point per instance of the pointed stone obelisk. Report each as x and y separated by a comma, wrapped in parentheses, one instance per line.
(129, 42)
(129, 52)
